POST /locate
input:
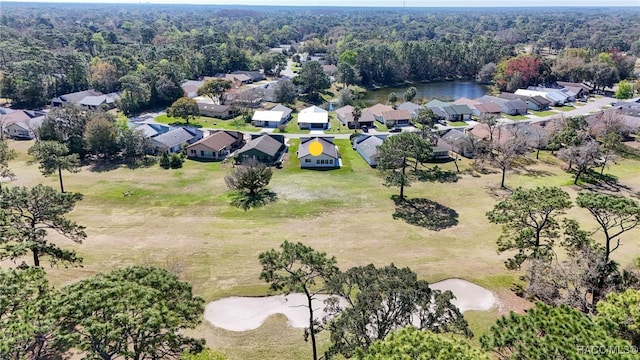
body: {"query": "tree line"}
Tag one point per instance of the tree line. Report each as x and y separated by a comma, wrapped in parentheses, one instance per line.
(148, 51)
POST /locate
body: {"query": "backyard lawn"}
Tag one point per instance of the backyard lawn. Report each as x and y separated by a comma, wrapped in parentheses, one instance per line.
(543, 113)
(515, 117)
(237, 123)
(181, 219)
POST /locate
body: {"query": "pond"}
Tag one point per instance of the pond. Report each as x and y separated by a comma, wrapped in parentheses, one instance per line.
(442, 90)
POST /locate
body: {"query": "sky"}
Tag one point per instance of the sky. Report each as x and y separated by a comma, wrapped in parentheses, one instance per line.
(383, 3)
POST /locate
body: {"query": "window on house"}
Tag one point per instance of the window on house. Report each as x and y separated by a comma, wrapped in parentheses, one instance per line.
(331, 161)
(307, 160)
(193, 151)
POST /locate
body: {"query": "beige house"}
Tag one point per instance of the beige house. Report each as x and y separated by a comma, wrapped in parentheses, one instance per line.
(216, 146)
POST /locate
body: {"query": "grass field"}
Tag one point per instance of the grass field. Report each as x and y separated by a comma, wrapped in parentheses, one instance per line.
(515, 117)
(543, 113)
(181, 219)
(206, 122)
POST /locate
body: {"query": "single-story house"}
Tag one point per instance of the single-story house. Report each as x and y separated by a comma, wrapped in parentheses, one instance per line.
(412, 108)
(278, 115)
(581, 90)
(439, 153)
(150, 130)
(345, 116)
(367, 147)
(73, 98)
(216, 146)
(456, 141)
(328, 158)
(314, 118)
(509, 107)
(266, 148)
(437, 107)
(253, 75)
(174, 140)
(236, 80)
(458, 112)
(208, 108)
(536, 102)
(396, 118)
(251, 97)
(563, 96)
(466, 101)
(488, 109)
(553, 99)
(91, 99)
(22, 124)
(377, 111)
(190, 88)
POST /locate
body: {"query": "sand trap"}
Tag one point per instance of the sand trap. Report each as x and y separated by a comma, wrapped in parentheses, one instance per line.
(248, 313)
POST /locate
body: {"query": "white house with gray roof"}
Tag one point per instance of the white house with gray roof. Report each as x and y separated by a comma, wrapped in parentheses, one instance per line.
(367, 147)
(174, 140)
(328, 159)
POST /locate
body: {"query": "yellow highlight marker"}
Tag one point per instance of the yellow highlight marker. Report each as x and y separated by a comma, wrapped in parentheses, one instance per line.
(315, 148)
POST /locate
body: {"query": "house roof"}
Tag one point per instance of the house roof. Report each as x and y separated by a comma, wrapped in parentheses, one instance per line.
(14, 117)
(28, 124)
(378, 109)
(253, 75)
(510, 96)
(285, 110)
(328, 148)
(368, 144)
(174, 137)
(466, 101)
(583, 86)
(313, 115)
(191, 86)
(345, 113)
(265, 144)
(76, 97)
(219, 140)
(489, 108)
(436, 103)
(147, 130)
(462, 109)
(395, 115)
(213, 107)
(409, 106)
(313, 109)
(267, 115)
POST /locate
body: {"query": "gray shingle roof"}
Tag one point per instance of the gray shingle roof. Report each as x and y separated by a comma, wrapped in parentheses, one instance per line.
(328, 148)
(369, 145)
(266, 144)
(174, 137)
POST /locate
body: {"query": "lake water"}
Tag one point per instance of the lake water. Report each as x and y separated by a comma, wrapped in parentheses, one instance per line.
(443, 90)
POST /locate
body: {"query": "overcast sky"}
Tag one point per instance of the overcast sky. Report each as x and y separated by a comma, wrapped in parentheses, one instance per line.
(386, 3)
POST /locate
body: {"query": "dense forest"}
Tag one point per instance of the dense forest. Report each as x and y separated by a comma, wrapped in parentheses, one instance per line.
(147, 51)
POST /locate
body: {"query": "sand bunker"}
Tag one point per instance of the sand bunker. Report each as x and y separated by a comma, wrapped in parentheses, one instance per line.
(248, 313)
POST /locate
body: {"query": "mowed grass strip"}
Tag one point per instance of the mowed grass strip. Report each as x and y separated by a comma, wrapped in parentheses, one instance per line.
(181, 219)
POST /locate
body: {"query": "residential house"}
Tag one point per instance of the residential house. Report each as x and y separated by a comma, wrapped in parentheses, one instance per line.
(278, 115)
(236, 80)
(509, 107)
(91, 99)
(377, 111)
(561, 96)
(253, 75)
(412, 108)
(536, 103)
(216, 146)
(458, 112)
(150, 130)
(398, 118)
(329, 158)
(73, 98)
(466, 101)
(314, 118)
(250, 98)
(175, 140)
(439, 153)
(488, 109)
(345, 116)
(266, 148)
(190, 88)
(367, 147)
(456, 141)
(581, 90)
(206, 107)
(21, 124)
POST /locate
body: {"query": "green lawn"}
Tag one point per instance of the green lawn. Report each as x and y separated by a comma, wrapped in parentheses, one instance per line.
(457, 123)
(381, 126)
(336, 126)
(565, 108)
(292, 127)
(542, 113)
(515, 117)
(212, 123)
(181, 219)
